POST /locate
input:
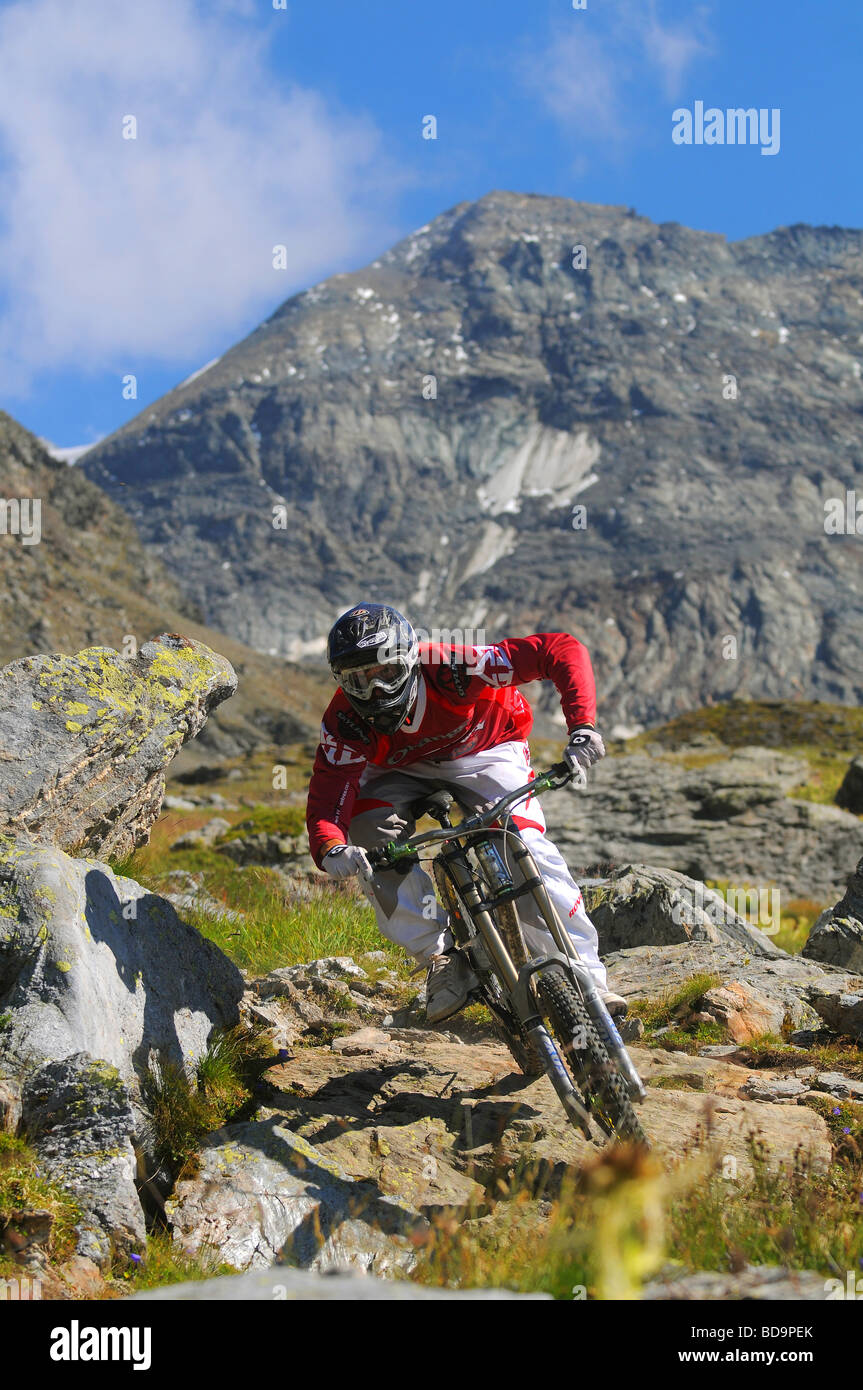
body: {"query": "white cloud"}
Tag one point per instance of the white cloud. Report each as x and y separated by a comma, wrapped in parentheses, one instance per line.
(115, 250)
(594, 63)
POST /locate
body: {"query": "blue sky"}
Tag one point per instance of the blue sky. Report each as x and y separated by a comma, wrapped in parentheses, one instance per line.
(302, 126)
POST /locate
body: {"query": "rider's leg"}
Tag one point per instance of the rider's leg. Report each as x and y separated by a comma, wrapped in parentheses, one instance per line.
(406, 908)
(489, 775)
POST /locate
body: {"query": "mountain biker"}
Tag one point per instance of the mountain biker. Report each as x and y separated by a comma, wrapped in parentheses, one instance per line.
(410, 716)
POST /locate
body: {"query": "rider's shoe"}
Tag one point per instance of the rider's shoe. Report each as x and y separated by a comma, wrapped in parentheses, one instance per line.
(448, 984)
(615, 1003)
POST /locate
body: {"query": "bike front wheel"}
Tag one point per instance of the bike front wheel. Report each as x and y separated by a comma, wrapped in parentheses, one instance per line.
(586, 1057)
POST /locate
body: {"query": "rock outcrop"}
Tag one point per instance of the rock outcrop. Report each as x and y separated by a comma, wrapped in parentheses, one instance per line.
(771, 994)
(730, 818)
(99, 978)
(286, 1285)
(640, 905)
(265, 1195)
(837, 936)
(77, 1114)
(93, 962)
(86, 739)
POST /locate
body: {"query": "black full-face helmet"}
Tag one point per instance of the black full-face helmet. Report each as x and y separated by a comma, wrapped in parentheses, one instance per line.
(374, 655)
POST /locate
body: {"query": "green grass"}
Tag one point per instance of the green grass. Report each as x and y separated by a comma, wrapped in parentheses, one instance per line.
(809, 726)
(622, 1219)
(797, 917)
(670, 1010)
(771, 1052)
(268, 820)
(183, 1106)
(278, 933)
(661, 1011)
(276, 930)
(23, 1187)
(165, 1262)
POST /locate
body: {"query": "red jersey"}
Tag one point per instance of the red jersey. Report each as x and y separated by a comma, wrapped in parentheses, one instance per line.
(468, 700)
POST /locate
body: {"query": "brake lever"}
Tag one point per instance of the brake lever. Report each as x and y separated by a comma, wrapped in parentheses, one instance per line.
(561, 773)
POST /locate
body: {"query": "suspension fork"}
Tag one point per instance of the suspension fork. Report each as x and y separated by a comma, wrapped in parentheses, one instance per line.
(517, 984)
(593, 1002)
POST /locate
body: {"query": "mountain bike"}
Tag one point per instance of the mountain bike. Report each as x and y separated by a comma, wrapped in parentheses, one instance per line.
(546, 1008)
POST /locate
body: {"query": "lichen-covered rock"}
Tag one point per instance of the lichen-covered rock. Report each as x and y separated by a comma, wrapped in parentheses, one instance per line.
(837, 936)
(263, 1193)
(93, 962)
(641, 905)
(78, 1115)
(744, 1012)
(85, 739)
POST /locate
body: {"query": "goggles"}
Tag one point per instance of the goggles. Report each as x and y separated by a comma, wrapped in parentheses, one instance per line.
(363, 681)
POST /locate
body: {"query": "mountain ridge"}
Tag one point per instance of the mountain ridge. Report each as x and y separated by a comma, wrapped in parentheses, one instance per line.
(426, 426)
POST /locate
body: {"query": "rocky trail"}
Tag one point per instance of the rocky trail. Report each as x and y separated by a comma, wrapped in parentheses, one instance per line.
(359, 1133)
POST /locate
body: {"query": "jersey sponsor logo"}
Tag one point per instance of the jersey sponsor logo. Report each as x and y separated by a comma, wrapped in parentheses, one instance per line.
(455, 675)
(337, 753)
(434, 744)
(352, 727)
(492, 665)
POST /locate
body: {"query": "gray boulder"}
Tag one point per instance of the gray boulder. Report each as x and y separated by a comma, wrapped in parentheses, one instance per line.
(837, 936)
(85, 739)
(78, 1115)
(758, 1282)
(640, 905)
(850, 793)
(263, 1194)
(756, 993)
(733, 818)
(841, 1010)
(92, 962)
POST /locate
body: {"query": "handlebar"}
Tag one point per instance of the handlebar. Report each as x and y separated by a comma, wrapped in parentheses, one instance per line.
(396, 853)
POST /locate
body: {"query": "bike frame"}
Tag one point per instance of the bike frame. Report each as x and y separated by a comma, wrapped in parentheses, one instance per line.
(518, 981)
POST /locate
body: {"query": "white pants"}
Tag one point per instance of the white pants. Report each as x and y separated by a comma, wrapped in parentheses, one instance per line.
(405, 904)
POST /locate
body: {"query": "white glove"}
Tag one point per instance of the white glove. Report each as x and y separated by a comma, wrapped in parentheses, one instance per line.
(347, 860)
(585, 748)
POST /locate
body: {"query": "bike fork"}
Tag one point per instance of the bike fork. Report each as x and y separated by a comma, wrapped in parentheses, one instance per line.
(559, 1077)
(593, 1003)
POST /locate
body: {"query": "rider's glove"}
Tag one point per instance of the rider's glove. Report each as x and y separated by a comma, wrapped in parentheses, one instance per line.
(585, 747)
(347, 860)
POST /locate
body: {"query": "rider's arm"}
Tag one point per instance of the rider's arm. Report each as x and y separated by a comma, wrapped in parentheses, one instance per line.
(554, 656)
(332, 792)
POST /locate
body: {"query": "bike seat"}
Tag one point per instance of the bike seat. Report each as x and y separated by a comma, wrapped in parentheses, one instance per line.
(435, 804)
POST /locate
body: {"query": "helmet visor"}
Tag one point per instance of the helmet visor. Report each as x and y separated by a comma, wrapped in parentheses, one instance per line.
(363, 681)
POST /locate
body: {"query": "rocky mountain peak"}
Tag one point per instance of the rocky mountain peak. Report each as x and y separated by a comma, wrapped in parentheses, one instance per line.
(535, 413)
